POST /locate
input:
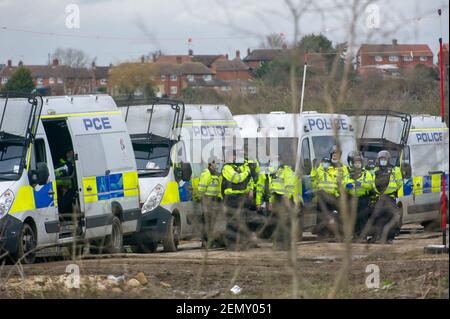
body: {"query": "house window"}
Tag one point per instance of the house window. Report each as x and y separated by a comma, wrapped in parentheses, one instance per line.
(190, 78)
(393, 58)
(40, 81)
(173, 90)
(60, 80)
(103, 82)
(163, 77)
(408, 58)
(378, 58)
(207, 77)
(51, 80)
(83, 90)
(252, 89)
(69, 92)
(4, 80)
(173, 77)
(423, 59)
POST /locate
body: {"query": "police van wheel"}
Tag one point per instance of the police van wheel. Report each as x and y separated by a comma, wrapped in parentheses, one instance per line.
(171, 240)
(114, 242)
(26, 246)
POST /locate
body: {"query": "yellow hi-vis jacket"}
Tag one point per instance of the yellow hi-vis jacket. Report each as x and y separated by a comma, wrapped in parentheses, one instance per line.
(209, 184)
(328, 180)
(360, 186)
(284, 182)
(395, 181)
(263, 185)
(236, 179)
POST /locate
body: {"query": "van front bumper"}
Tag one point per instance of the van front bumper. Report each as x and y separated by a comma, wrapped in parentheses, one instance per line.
(153, 227)
(10, 228)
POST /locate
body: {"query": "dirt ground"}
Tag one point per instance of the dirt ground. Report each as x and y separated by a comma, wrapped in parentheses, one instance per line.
(262, 272)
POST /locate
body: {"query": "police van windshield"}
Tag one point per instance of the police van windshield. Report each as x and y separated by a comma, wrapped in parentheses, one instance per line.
(152, 159)
(265, 149)
(322, 146)
(11, 155)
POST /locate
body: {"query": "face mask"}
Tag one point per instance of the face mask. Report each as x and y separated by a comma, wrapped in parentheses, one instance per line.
(383, 162)
(326, 165)
(334, 161)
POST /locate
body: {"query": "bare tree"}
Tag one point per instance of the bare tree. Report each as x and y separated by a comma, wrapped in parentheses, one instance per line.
(72, 57)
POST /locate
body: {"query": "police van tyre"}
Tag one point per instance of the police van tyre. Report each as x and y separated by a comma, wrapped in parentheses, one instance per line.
(26, 246)
(114, 242)
(171, 240)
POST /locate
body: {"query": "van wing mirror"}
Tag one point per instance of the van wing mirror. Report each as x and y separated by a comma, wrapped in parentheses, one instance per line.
(307, 166)
(40, 175)
(406, 170)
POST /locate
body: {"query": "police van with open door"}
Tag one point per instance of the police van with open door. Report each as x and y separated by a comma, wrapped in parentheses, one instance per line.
(300, 140)
(168, 139)
(419, 146)
(67, 175)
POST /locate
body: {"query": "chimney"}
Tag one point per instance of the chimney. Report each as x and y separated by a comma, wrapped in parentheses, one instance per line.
(142, 59)
(226, 56)
(238, 54)
(55, 61)
(191, 53)
(394, 42)
(248, 51)
(9, 63)
(284, 46)
(93, 64)
(20, 63)
(179, 60)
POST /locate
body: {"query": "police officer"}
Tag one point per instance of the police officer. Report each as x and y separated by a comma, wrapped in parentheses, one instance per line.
(65, 182)
(283, 187)
(326, 181)
(210, 196)
(359, 184)
(237, 190)
(384, 219)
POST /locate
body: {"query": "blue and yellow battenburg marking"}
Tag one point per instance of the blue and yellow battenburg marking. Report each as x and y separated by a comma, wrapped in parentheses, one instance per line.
(119, 185)
(28, 198)
(424, 185)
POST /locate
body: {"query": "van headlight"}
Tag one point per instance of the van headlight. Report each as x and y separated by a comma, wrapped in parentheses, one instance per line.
(6, 201)
(154, 199)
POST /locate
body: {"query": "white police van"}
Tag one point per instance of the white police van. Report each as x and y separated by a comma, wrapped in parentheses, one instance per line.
(172, 144)
(419, 145)
(95, 199)
(299, 140)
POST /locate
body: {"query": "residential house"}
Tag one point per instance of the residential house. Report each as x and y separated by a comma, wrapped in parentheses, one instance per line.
(54, 79)
(392, 58)
(100, 76)
(258, 57)
(171, 78)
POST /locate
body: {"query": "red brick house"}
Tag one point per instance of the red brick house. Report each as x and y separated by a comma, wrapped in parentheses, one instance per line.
(258, 57)
(392, 58)
(54, 79)
(100, 76)
(231, 70)
(171, 78)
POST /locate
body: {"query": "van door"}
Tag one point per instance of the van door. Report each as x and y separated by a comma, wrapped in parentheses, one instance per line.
(93, 179)
(307, 190)
(45, 197)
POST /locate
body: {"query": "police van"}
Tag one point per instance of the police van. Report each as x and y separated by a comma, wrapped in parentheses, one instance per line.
(172, 144)
(67, 175)
(419, 145)
(299, 140)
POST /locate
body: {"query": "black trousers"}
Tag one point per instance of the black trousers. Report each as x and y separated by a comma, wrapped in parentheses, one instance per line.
(327, 219)
(237, 232)
(281, 220)
(383, 220)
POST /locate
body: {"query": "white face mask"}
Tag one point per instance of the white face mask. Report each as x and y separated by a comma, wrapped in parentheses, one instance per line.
(334, 161)
(326, 165)
(383, 162)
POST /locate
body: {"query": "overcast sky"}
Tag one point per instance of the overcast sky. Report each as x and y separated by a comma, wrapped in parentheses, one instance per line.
(113, 31)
